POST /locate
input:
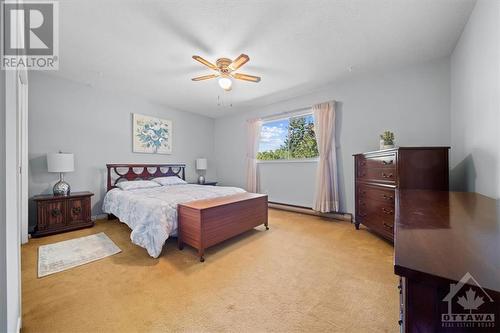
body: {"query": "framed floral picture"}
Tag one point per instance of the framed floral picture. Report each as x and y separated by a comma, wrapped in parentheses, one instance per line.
(151, 135)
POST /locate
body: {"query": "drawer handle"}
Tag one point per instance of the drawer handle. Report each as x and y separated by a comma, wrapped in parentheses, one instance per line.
(388, 162)
(362, 214)
(387, 197)
(76, 210)
(55, 212)
(388, 226)
(387, 211)
(387, 175)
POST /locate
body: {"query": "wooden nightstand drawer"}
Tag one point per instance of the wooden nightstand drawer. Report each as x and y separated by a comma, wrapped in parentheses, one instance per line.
(51, 214)
(78, 210)
(62, 213)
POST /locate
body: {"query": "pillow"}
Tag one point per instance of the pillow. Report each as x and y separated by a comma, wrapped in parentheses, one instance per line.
(170, 180)
(136, 184)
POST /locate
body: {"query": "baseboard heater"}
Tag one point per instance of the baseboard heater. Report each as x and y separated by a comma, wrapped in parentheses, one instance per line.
(305, 210)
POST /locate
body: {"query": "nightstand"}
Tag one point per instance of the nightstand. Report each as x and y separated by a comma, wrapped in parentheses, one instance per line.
(206, 183)
(57, 214)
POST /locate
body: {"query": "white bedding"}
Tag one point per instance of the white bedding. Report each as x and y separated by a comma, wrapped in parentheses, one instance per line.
(152, 213)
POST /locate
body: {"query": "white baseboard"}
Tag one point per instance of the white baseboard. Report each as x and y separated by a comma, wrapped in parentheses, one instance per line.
(99, 217)
(309, 211)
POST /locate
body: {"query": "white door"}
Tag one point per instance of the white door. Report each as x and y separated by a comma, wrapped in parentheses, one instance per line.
(12, 223)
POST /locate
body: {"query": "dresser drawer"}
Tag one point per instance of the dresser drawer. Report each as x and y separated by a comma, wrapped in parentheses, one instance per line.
(377, 215)
(372, 207)
(386, 175)
(384, 161)
(382, 226)
(377, 193)
(377, 168)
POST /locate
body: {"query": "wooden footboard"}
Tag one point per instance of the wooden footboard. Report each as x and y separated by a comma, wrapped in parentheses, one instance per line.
(204, 223)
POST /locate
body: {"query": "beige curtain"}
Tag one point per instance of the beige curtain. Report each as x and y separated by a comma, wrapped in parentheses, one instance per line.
(326, 197)
(253, 136)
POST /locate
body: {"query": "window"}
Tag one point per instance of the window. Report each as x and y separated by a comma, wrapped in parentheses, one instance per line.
(287, 139)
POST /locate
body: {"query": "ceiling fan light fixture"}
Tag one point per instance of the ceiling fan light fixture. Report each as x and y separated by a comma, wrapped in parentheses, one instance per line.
(225, 83)
(224, 68)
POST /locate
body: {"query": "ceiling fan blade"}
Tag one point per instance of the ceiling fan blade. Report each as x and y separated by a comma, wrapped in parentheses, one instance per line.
(246, 77)
(204, 62)
(238, 62)
(205, 77)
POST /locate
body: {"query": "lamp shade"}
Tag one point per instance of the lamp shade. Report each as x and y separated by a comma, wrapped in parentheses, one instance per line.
(60, 162)
(201, 164)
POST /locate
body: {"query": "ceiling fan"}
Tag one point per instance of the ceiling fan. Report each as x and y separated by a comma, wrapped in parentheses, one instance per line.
(225, 68)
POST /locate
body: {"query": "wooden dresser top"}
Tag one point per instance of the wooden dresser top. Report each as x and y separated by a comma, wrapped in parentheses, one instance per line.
(46, 197)
(220, 201)
(443, 234)
(392, 150)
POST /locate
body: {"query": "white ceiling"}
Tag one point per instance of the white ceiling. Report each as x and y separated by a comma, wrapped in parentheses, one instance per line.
(145, 47)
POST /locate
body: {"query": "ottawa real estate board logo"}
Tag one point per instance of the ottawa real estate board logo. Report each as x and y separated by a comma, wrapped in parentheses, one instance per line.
(30, 35)
(469, 306)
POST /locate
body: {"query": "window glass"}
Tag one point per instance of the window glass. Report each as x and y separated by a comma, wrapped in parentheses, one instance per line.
(290, 138)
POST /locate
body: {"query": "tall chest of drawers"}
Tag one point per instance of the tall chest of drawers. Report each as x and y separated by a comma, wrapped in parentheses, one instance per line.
(379, 173)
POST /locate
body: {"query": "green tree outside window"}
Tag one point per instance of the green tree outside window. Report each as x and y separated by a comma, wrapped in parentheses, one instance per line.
(299, 141)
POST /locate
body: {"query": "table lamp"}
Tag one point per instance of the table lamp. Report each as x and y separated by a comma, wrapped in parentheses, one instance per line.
(60, 162)
(201, 164)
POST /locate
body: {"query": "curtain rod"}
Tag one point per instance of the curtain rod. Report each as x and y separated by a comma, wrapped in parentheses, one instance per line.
(278, 115)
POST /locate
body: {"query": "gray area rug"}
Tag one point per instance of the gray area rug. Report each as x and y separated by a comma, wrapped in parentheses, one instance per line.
(57, 257)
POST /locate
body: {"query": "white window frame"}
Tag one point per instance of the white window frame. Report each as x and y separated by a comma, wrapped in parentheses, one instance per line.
(283, 117)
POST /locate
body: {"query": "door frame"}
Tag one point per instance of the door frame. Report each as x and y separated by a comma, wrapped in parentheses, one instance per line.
(22, 152)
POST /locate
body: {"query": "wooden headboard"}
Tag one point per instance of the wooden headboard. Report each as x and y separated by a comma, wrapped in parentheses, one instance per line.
(142, 172)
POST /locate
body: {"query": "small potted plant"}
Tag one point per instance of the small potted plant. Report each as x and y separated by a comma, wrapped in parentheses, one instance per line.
(387, 140)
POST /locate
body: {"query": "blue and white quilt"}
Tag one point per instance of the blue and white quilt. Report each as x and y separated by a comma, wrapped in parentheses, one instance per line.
(152, 213)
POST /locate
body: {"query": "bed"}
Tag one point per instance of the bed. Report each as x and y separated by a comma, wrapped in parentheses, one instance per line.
(152, 213)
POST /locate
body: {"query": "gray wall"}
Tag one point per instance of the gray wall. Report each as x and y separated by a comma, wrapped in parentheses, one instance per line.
(413, 102)
(96, 126)
(475, 103)
(291, 183)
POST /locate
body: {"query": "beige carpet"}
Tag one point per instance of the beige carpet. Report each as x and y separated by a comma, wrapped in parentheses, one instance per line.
(305, 274)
